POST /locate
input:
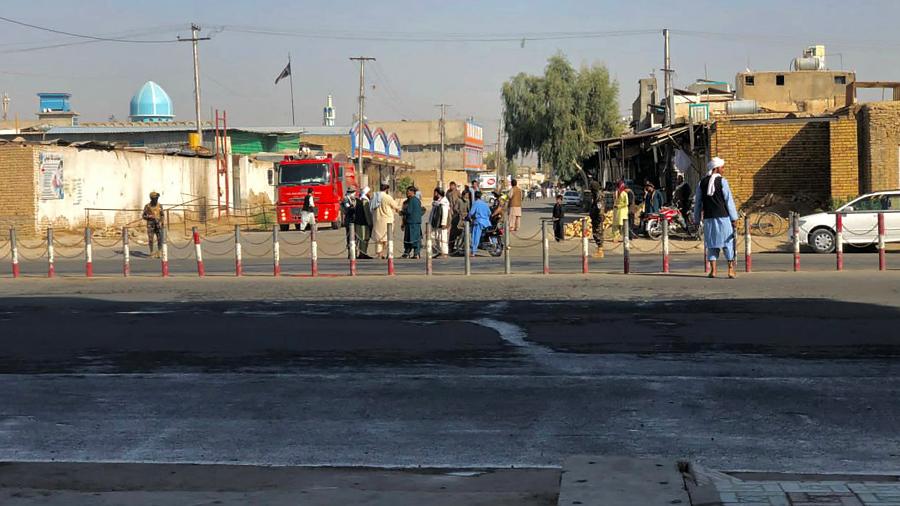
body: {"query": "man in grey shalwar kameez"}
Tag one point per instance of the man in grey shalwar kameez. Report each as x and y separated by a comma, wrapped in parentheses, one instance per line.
(714, 204)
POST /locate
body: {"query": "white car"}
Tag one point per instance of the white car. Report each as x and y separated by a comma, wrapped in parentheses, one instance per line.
(860, 222)
(572, 198)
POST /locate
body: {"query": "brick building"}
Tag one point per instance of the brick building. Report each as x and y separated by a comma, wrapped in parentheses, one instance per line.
(828, 158)
(879, 140)
(816, 156)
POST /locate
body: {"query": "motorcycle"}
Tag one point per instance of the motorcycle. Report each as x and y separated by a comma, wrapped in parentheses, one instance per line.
(679, 227)
(492, 241)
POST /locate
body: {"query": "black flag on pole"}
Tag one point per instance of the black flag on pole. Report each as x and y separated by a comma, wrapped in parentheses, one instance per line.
(284, 73)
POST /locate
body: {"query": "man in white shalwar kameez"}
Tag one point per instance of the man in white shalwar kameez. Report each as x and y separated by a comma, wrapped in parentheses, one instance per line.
(714, 204)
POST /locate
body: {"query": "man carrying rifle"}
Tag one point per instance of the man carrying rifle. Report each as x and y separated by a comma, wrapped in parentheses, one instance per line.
(153, 214)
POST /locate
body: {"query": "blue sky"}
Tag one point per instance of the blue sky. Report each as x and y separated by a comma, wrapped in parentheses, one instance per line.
(238, 68)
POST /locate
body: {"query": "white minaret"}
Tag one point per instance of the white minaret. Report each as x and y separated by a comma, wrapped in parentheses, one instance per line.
(328, 113)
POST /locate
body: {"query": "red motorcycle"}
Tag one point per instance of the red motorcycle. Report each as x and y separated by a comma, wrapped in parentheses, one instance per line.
(679, 227)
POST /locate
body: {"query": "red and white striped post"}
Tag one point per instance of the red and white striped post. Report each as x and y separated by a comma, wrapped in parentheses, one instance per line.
(14, 252)
(585, 248)
(748, 246)
(795, 227)
(164, 251)
(238, 254)
(276, 252)
(51, 256)
(626, 246)
(313, 251)
(429, 246)
(545, 248)
(88, 253)
(882, 257)
(126, 254)
(198, 252)
(665, 244)
(390, 249)
(351, 247)
(839, 241)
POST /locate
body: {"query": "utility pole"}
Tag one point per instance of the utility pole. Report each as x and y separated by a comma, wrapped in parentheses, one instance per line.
(504, 172)
(195, 38)
(443, 137)
(362, 109)
(670, 98)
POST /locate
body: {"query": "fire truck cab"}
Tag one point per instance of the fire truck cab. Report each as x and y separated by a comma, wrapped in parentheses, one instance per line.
(329, 180)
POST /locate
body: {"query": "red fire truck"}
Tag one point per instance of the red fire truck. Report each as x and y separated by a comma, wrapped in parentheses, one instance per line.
(329, 180)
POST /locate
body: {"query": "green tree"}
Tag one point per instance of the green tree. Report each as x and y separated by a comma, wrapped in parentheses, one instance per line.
(559, 115)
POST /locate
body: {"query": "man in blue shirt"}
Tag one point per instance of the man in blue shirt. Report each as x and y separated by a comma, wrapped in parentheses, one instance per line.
(480, 216)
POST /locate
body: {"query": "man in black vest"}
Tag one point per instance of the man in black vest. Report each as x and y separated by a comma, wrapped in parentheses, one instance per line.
(308, 213)
(714, 204)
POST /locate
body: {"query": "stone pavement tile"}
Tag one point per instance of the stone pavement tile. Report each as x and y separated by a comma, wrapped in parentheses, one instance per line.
(762, 497)
(823, 498)
(621, 480)
(875, 487)
(823, 487)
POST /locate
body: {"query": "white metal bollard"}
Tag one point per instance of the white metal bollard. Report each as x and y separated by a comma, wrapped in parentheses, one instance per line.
(276, 252)
(14, 252)
(238, 254)
(126, 253)
(51, 254)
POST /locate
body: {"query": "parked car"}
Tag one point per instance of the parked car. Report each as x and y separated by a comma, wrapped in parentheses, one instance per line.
(572, 198)
(860, 222)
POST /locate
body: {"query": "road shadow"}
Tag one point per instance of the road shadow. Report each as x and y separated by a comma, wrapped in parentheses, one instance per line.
(70, 335)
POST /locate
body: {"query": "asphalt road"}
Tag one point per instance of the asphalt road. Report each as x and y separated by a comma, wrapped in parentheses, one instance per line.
(762, 378)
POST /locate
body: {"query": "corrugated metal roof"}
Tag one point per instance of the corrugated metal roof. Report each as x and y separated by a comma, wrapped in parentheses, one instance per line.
(326, 130)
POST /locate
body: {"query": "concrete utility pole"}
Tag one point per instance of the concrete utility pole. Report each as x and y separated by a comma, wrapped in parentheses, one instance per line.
(670, 93)
(362, 110)
(443, 137)
(195, 38)
(504, 172)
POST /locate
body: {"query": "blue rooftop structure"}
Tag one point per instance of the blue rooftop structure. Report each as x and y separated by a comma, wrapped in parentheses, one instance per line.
(54, 102)
(151, 103)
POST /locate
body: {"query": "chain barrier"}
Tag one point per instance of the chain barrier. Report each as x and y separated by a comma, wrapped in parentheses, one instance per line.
(634, 243)
(327, 253)
(60, 244)
(698, 244)
(225, 239)
(246, 240)
(211, 251)
(556, 246)
(303, 239)
(303, 253)
(107, 245)
(43, 254)
(533, 237)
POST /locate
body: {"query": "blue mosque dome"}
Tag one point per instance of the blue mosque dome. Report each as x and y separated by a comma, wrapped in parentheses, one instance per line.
(151, 103)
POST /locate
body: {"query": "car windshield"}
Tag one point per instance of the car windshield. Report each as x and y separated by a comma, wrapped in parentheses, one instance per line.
(307, 173)
(876, 203)
(571, 194)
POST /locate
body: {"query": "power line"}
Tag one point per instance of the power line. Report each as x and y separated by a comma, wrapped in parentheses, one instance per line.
(82, 36)
(434, 36)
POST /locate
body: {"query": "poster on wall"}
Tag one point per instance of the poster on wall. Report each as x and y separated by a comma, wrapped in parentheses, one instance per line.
(52, 176)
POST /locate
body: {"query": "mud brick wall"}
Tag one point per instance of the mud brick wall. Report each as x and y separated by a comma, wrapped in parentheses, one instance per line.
(879, 141)
(816, 157)
(844, 158)
(18, 189)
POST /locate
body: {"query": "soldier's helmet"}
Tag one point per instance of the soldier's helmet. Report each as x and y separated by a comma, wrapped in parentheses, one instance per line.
(154, 195)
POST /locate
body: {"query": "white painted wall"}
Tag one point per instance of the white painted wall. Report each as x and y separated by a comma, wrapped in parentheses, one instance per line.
(122, 180)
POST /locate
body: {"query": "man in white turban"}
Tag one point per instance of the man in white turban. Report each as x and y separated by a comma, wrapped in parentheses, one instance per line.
(714, 204)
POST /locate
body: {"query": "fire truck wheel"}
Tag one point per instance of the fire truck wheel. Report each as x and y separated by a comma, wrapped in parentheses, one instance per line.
(285, 227)
(335, 225)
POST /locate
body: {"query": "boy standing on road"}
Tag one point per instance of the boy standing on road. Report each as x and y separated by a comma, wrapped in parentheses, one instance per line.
(559, 213)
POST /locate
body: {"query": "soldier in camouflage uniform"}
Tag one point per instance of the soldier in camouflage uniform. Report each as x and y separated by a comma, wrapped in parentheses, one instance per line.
(153, 214)
(597, 214)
